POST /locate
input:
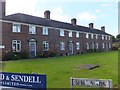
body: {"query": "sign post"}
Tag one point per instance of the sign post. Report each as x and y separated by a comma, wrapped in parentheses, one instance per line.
(25, 81)
(93, 83)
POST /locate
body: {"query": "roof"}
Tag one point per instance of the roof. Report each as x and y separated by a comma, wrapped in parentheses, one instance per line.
(24, 18)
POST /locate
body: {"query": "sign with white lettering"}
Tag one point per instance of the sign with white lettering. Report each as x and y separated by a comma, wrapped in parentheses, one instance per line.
(26, 81)
(94, 83)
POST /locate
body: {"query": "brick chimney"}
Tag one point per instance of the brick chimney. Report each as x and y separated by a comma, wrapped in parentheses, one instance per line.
(103, 28)
(2, 8)
(73, 21)
(91, 25)
(47, 14)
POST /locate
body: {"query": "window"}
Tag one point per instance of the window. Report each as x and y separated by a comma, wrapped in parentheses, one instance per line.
(70, 33)
(77, 45)
(16, 27)
(96, 36)
(106, 37)
(87, 45)
(102, 37)
(45, 46)
(96, 45)
(45, 31)
(92, 36)
(109, 37)
(77, 34)
(16, 45)
(87, 35)
(103, 45)
(109, 45)
(61, 32)
(62, 46)
(32, 29)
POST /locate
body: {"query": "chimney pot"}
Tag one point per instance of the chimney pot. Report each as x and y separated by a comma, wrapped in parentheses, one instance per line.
(2, 8)
(47, 14)
(103, 28)
(91, 25)
(74, 21)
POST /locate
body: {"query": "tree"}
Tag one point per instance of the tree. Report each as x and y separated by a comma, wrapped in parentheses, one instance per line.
(113, 38)
(118, 36)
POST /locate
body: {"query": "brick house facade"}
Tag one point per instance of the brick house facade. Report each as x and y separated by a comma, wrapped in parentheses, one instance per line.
(22, 32)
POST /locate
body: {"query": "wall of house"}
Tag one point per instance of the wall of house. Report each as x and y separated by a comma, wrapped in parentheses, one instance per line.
(53, 38)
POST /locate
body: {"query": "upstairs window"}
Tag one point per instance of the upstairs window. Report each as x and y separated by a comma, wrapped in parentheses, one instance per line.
(77, 45)
(61, 32)
(92, 36)
(16, 27)
(70, 33)
(16, 45)
(106, 37)
(96, 36)
(109, 37)
(87, 35)
(62, 46)
(102, 37)
(77, 34)
(45, 46)
(45, 31)
(32, 29)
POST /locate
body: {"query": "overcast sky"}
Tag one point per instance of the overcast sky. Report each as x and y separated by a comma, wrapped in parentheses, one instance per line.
(99, 12)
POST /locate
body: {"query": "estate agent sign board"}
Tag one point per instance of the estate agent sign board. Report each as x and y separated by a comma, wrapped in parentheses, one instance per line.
(93, 83)
(26, 81)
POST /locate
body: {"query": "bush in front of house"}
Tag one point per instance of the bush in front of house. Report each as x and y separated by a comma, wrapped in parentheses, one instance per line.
(16, 56)
(114, 48)
(46, 54)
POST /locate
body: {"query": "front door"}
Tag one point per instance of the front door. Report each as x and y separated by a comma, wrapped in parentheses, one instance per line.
(32, 49)
(70, 45)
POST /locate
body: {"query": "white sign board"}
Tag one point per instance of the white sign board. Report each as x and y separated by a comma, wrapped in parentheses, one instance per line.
(2, 46)
(94, 83)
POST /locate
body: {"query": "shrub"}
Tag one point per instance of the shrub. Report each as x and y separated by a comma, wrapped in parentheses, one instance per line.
(24, 55)
(114, 48)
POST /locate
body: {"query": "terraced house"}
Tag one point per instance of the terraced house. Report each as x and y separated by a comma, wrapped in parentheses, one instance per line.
(22, 32)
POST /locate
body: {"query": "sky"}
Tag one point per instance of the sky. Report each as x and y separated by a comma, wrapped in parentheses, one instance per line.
(99, 12)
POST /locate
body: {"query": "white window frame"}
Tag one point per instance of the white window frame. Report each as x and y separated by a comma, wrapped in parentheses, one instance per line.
(106, 37)
(46, 47)
(92, 35)
(77, 45)
(62, 46)
(96, 36)
(70, 33)
(77, 34)
(32, 29)
(15, 48)
(103, 45)
(109, 37)
(61, 32)
(87, 46)
(16, 27)
(87, 35)
(102, 37)
(96, 45)
(109, 45)
(45, 30)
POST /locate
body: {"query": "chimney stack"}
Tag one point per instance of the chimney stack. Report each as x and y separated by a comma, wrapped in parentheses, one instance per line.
(103, 28)
(2, 8)
(73, 21)
(47, 14)
(91, 25)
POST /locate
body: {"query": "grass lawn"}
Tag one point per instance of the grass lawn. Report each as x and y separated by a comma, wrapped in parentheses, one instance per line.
(60, 69)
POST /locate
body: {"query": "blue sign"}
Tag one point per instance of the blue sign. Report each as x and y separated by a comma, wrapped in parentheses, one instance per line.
(26, 81)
